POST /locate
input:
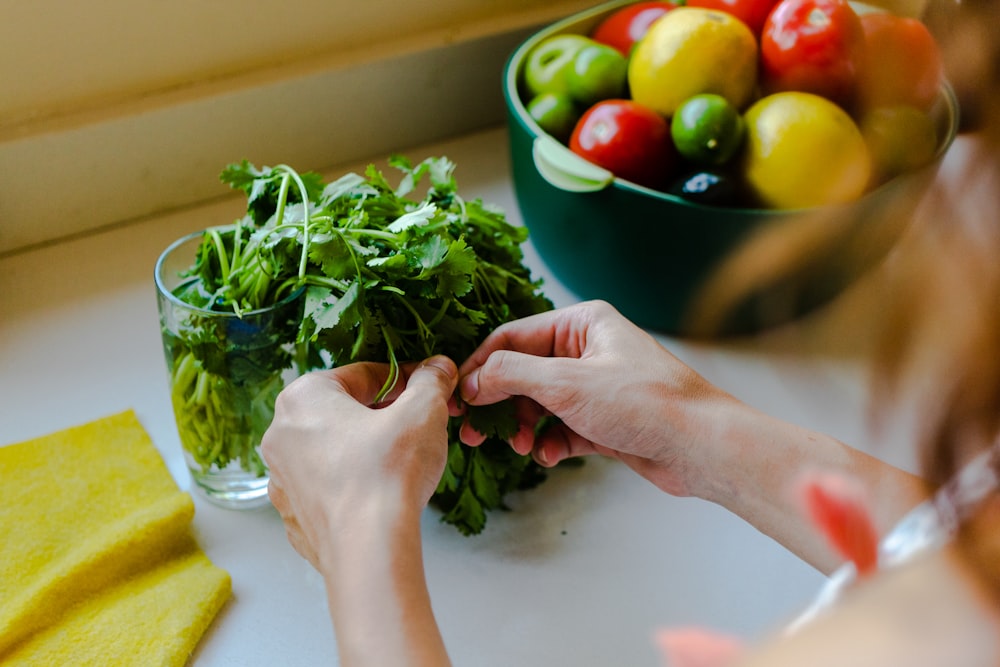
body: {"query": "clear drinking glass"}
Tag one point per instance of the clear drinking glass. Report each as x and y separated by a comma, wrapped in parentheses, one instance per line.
(225, 371)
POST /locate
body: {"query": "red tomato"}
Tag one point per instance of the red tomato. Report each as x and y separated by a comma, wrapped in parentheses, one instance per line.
(813, 46)
(629, 140)
(623, 28)
(751, 12)
(902, 63)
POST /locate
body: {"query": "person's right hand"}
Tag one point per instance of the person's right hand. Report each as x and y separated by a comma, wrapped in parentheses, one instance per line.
(614, 388)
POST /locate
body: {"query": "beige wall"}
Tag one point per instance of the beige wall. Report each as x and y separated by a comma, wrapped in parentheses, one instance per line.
(112, 109)
(57, 56)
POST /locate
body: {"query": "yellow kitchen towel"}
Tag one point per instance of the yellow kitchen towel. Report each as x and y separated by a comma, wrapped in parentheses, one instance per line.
(97, 562)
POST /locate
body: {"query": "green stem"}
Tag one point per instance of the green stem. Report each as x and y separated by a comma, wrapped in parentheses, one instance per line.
(354, 256)
(304, 257)
(279, 214)
(481, 280)
(185, 373)
(220, 249)
(373, 233)
(237, 242)
(423, 328)
(390, 381)
(440, 313)
(321, 281)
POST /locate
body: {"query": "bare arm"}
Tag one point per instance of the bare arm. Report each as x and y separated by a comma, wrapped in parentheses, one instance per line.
(619, 393)
(378, 596)
(759, 459)
(350, 480)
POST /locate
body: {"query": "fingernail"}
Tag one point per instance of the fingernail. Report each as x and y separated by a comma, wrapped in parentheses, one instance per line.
(524, 440)
(551, 453)
(542, 457)
(470, 385)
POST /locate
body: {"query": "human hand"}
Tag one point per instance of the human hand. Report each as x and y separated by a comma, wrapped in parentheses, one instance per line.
(338, 462)
(614, 388)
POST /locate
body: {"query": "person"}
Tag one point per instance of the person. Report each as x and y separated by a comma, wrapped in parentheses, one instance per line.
(350, 479)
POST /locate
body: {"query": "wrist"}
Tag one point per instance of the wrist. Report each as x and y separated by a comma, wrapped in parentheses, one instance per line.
(700, 451)
(752, 457)
(357, 523)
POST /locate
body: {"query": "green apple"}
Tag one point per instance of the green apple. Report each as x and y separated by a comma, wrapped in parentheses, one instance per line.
(899, 138)
(549, 64)
(599, 73)
(555, 113)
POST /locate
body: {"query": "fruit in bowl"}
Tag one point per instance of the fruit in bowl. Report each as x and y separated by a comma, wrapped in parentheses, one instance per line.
(623, 28)
(690, 51)
(742, 158)
(812, 46)
(713, 72)
(567, 73)
(626, 138)
(802, 150)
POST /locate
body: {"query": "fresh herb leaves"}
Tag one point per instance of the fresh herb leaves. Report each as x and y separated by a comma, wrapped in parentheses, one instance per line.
(386, 277)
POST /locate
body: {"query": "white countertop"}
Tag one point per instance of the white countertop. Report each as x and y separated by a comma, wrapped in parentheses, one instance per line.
(583, 570)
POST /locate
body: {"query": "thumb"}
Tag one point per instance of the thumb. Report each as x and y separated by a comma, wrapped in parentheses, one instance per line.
(433, 380)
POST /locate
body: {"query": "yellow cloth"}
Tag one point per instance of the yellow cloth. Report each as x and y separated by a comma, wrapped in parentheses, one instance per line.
(97, 562)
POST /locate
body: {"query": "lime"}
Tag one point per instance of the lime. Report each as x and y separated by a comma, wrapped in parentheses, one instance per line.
(803, 150)
(598, 73)
(689, 51)
(707, 129)
(555, 113)
(900, 139)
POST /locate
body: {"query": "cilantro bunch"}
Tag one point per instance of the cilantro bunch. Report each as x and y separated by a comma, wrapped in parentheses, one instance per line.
(385, 274)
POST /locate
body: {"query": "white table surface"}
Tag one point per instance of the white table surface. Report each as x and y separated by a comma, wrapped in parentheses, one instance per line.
(583, 570)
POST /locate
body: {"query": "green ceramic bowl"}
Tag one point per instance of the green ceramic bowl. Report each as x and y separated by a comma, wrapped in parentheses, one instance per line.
(663, 261)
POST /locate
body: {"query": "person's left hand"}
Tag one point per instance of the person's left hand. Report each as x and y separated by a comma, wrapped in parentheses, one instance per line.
(339, 464)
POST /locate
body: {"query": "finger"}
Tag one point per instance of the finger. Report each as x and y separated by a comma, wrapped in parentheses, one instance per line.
(530, 335)
(551, 447)
(432, 381)
(524, 440)
(527, 412)
(437, 373)
(558, 443)
(555, 333)
(469, 435)
(507, 373)
(361, 381)
(455, 407)
(528, 415)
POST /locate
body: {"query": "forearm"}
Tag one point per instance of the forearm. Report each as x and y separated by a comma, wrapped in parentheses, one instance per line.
(757, 461)
(378, 597)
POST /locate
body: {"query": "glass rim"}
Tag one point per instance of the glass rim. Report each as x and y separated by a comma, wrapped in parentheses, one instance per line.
(208, 312)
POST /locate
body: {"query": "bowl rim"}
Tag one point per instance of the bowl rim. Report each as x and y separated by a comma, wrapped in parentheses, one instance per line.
(948, 102)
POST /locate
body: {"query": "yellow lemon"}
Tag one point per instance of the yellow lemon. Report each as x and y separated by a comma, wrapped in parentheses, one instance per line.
(803, 150)
(691, 51)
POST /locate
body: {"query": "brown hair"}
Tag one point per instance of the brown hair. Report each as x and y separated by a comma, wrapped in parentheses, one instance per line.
(945, 324)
